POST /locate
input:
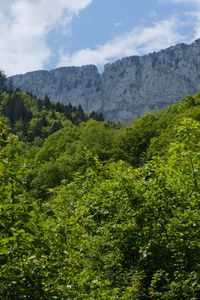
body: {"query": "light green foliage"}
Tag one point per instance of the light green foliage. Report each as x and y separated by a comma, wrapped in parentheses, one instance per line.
(28, 117)
(65, 152)
(55, 161)
(79, 222)
(172, 206)
(151, 134)
(98, 137)
(99, 212)
(134, 140)
(15, 235)
(137, 232)
(11, 166)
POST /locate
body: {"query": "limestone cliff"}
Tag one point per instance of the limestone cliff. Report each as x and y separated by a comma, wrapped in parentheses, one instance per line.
(127, 88)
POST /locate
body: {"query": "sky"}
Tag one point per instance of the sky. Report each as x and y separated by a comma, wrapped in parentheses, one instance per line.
(46, 34)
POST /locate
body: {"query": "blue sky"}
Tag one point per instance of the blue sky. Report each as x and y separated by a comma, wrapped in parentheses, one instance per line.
(45, 34)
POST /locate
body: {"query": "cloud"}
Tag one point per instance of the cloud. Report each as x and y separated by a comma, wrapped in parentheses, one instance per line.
(140, 40)
(26, 25)
(24, 28)
(5, 4)
(190, 15)
(182, 1)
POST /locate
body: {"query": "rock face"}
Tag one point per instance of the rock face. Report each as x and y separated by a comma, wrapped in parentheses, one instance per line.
(67, 84)
(127, 88)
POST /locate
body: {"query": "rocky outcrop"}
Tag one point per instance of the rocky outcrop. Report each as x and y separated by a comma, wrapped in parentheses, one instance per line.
(67, 84)
(127, 88)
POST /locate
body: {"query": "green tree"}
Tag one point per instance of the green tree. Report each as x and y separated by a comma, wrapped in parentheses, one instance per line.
(2, 81)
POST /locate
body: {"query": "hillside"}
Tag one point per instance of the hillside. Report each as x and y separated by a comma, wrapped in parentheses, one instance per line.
(97, 210)
(127, 88)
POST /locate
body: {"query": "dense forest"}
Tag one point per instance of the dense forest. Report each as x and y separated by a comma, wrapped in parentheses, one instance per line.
(95, 210)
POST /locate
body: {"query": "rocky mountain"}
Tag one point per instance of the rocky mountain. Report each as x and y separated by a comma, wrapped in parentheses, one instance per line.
(127, 88)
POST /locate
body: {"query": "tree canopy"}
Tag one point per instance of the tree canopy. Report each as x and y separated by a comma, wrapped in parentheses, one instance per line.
(95, 210)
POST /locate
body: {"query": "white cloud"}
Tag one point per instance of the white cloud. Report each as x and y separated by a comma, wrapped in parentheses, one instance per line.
(5, 4)
(191, 15)
(140, 40)
(26, 24)
(182, 1)
(24, 27)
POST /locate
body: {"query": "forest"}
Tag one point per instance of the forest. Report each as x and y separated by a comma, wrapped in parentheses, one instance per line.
(91, 209)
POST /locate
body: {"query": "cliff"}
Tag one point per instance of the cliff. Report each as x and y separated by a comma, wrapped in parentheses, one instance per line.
(127, 88)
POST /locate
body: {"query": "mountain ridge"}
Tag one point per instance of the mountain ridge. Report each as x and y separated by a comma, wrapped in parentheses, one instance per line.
(127, 88)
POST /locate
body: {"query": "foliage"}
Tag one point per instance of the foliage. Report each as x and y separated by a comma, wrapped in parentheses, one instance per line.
(30, 117)
(2, 81)
(95, 210)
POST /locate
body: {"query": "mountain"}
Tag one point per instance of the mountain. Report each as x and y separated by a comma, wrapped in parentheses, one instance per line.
(127, 88)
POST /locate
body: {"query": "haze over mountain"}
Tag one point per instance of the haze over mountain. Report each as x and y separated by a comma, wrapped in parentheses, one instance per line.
(127, 88)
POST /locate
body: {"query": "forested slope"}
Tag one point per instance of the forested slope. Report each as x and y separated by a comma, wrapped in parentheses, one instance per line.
(97, 210)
